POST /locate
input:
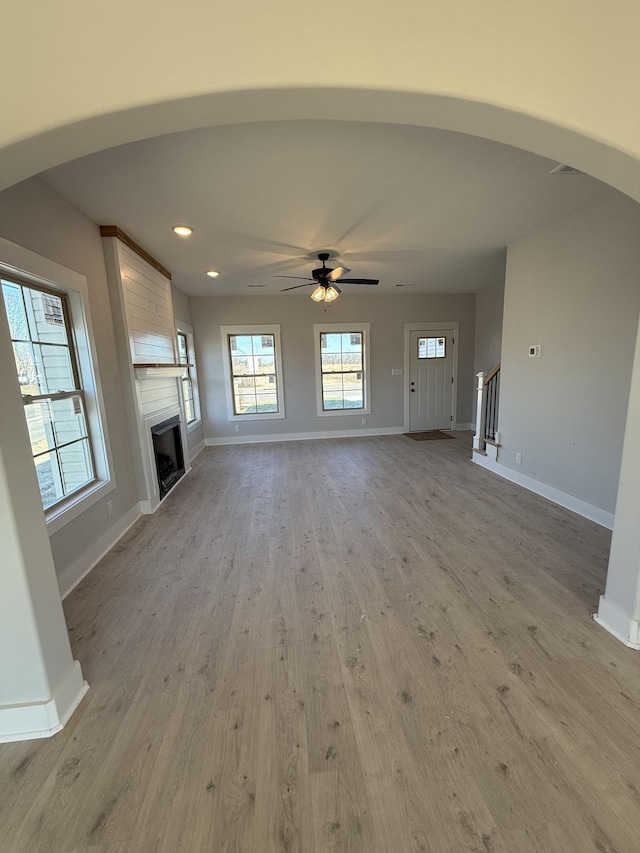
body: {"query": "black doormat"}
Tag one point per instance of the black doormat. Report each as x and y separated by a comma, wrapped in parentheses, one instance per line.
(429, 435)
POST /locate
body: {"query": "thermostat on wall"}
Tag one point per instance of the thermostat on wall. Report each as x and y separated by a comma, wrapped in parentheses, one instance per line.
(534, 352)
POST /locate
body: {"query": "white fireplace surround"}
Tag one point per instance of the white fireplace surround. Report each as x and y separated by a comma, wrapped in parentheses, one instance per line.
(145, 334)
(152, 501)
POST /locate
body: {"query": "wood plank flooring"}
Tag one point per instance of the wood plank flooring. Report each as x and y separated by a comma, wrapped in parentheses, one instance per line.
(359, 645)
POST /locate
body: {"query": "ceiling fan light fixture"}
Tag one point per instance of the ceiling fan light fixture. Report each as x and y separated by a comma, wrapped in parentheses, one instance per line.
(318, 294)
(331, 294)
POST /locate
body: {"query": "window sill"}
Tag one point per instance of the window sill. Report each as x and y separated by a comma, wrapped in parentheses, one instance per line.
(273, 416)
(332, 413)
(59, 516)
(194, 425)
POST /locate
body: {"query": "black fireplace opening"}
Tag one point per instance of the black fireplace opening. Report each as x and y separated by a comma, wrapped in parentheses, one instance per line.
(167, 447)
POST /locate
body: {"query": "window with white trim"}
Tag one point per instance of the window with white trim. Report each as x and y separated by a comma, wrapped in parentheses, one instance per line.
(49, 323)
(51, 390)
(189, 379)
(253, 367)
(342, 368)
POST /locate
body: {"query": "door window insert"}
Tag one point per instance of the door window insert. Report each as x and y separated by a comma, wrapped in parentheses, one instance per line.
(432, 348)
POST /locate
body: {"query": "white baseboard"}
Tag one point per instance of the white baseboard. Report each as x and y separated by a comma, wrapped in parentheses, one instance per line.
(71, 575)
(42, 719)
(557, 496)
(302, 436)
(623, 627)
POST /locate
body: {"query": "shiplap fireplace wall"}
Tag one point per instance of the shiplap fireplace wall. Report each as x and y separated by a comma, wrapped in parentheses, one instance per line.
(140, 292)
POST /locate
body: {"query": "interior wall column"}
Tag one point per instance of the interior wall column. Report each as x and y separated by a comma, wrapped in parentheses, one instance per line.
(40, 683)
(619, 609)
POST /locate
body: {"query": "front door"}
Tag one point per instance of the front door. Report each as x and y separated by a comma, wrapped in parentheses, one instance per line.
(431, 380)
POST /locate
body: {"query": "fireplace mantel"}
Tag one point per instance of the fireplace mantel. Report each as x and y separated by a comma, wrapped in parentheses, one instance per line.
(154, 371)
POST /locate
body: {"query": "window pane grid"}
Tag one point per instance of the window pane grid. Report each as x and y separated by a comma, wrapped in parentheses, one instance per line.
(42, 343)
(49, 381)
(187, 396)
(431, 348)
(56, 448)
(48, 473)
(55, 422)
(183, 349)
(342, 370)
(187, 379)
(253, 374)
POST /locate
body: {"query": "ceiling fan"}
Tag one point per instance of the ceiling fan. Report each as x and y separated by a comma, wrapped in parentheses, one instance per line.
(325, 278)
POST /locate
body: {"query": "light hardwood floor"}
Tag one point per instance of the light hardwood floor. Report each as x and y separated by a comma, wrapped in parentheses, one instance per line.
(359, 645)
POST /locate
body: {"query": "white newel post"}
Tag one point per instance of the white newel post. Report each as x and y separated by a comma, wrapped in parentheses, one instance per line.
(619, 609)
(478, 439)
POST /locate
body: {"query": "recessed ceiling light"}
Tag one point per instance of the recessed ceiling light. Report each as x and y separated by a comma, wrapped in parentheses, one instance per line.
(183, 230)
(213, 273)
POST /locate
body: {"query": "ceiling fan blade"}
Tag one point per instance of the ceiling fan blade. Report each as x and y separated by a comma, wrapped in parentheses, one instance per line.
(296, 286)
(337, 272)
(359, 281)
(300, 277)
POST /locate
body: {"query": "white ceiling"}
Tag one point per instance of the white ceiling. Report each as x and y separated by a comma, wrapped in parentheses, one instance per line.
(408, 205)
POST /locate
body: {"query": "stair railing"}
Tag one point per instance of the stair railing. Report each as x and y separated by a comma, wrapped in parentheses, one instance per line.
(487, 406)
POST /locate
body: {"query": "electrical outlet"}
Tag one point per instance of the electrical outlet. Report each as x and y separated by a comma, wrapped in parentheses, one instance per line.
(109, 509)
(518, 458)
(237, 427)
(364, 420)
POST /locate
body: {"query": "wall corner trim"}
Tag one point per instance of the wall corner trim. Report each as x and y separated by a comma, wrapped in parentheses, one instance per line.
(71, 575)
(194, 451)
(31, 720)
(622, 626)
(551, 493)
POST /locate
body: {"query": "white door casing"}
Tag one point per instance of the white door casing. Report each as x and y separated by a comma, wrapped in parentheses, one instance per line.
(430, 376)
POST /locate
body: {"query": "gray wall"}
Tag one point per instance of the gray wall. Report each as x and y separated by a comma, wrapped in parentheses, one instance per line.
(573, 287)
(181, 308)
(297, 314)
(489, 310)
(36, 217)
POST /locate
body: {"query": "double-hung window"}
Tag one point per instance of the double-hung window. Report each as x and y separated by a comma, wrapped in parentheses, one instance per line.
(49, 323)
(188, 379)
(253, 362)
(54, 401)
(342, 368)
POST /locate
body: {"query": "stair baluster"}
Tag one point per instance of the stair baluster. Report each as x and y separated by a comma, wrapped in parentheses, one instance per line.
(487, 407)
